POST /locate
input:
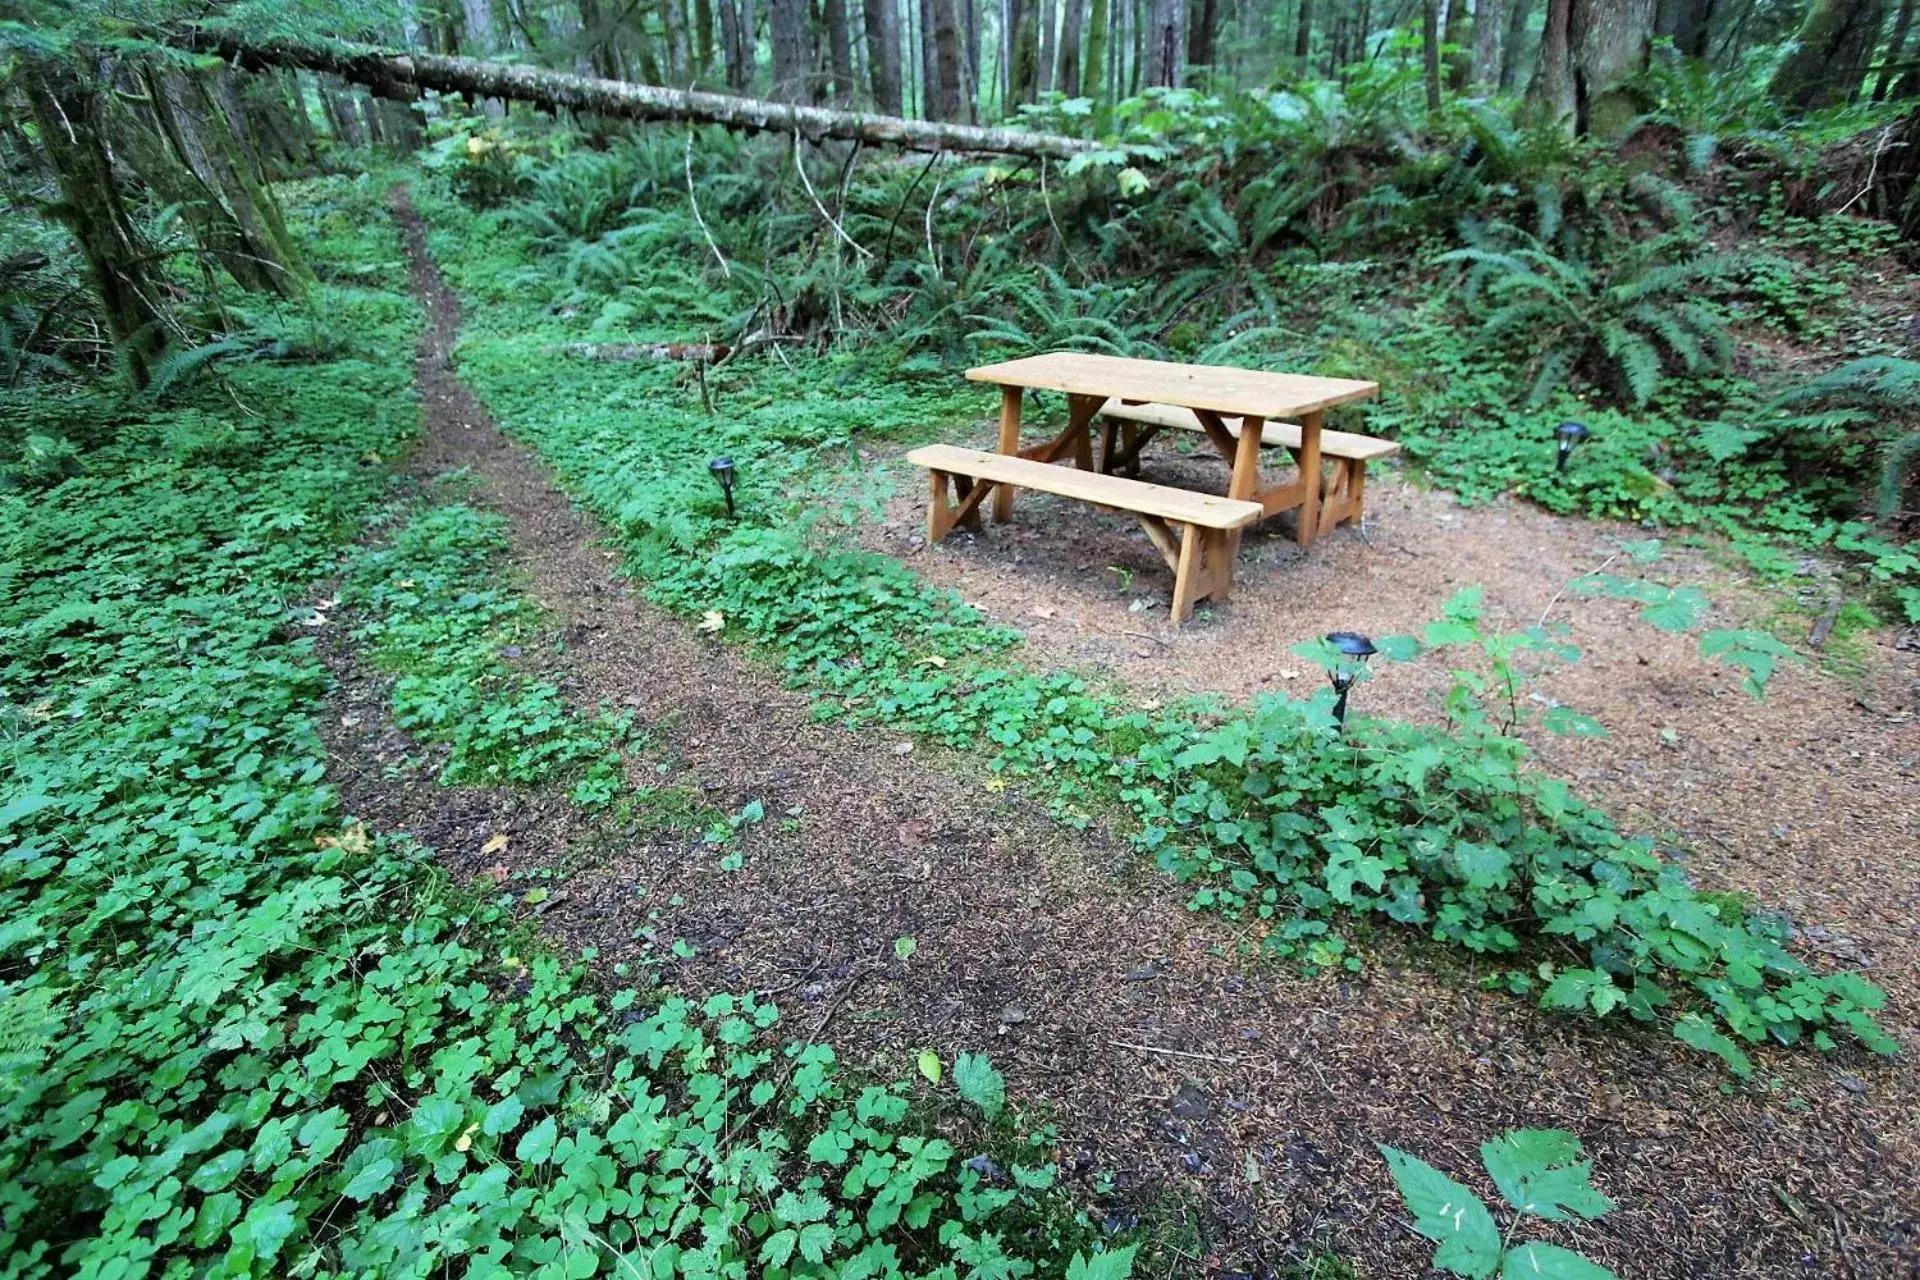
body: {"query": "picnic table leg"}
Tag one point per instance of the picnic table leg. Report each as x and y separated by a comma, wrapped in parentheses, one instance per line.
(1246, 474)
(1009, 445)
(1080, 411)
(1309, 527)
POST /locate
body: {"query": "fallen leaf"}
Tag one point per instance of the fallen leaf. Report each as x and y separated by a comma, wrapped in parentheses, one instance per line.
(495, 845)
(1044, 611)
(497, 873)
(1289, 674)
(351, 840)
(996, 785)
(913, 832)
(465, 1139)
(905, 947)
(713, 620)
(933, 660)
(930, 1066)
(903, 748)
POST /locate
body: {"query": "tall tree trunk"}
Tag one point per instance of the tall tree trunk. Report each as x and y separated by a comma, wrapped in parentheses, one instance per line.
(883, 52)
(1513, 49)
(1459, 35)
(840, 51)
(1024, 86)
(1066, 71)
(1834, 46)
(970, 89)
(703, 35)
(945, 72)
(119, 262)
(1166, 45)
(1043, 25)
(1430, 50)
(733, 47)
(1552, 87)
(1487, 30)
(1093, 78)
(1896, 50)
(338, 109)
(1303, 36)
(1139, 15)
(1204, 24)
(792, 60)
(1686, 22)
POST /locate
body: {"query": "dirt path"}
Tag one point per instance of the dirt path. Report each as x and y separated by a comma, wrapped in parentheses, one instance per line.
(1162, 1057)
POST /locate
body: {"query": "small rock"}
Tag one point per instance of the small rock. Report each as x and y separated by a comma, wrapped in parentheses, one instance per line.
(1013, 1015)
(1852, 1084)
(1147, 972)
(1192, 1163)
(903, 748)
(1190, 1101)
(984, 1166)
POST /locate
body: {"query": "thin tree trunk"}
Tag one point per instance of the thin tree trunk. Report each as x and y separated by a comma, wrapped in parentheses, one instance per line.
(1835, 44)
(1487, 30)
(1140, 16)
(791, 64)
(1896, 49)
(730, 52)
(929, 62)
(1093, 79)
(1043, 47)
(403, 76)
(703, 36)
(119, 262)
(946, 59)
(1200, 36)
(1687, 23)
(673, 18)
(883, 52)
(1513, 49)
(1166, 43)
(840, 51)
(970, 85)
(1303, 36)
(1066, 72)
(1025, 80)
(1459, 35)
(1552, 86)
(1430, 50)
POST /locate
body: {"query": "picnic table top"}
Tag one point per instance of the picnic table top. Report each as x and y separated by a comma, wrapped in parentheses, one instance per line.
(1218, 388)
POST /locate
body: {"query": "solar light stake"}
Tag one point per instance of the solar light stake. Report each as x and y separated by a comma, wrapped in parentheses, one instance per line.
(1569, 434)
(722, 469)
(1354, 650)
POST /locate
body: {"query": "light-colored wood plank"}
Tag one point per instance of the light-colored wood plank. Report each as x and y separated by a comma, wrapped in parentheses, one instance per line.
(1333, 444)
(1010, 397)
(1183, 506)
(1221, 388)
(1311, 433)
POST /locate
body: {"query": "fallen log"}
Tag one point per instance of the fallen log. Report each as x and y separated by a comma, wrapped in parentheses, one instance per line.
(403, 76)
(627, 352)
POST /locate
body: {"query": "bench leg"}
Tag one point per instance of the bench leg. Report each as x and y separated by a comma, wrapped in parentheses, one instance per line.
(943, 515)
(1343, 502)
(1205, 570)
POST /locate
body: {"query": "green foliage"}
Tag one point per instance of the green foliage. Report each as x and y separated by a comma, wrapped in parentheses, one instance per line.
(1541, 1175)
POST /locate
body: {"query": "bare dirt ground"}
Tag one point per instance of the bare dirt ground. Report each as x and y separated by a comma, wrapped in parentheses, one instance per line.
(1163, 1056)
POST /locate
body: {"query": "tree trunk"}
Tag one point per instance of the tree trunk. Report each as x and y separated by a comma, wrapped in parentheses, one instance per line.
(1303, 36)
(1066, 74)
(1202, 35)
(1834, 45)
(791, 64)
(1430, 50)
(673, 17)
(1024, 85)
(1513, 49)
(339, 112)
(731, 47)
(403, 76)
(1552, 87)
(1459, 35)
(1488, 27)
(1043, 48)
(703, 35)
(1093, 78)
(119, 262)
(1166, 48)
(1686, 22)
(945, 71)
(840, 51)
(1609, 40)
(1896, 49)
(883, 52)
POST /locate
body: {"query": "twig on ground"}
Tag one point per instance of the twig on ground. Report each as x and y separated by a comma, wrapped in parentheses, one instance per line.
(814, 196)
(1823, 625)
(1173, 1053)
(1563, 587)
(1147, 635)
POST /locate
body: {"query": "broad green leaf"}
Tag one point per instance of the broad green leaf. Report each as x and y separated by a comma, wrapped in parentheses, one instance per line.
(1570, 723)
(1448, 1214)
(266, 1227)
(1701, 1034)
(374, 1177)
(979, 1083)
(1115, 1264)
(503, 1116)
(536, 1144)
(1537, 1261)
(1540, 1172)
(929, 1063)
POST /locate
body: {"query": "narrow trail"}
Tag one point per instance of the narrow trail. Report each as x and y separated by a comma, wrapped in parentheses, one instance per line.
(1161, 1056)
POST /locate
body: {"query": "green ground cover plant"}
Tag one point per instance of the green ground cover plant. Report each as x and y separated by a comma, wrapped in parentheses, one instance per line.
(1270, 811)
(241, 1035)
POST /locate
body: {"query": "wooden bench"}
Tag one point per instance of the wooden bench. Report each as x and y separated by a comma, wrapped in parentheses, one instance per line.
(1342, 493)
(1189, 529)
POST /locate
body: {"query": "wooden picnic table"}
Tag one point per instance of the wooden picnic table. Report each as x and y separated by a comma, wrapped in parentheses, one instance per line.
(1212, 392)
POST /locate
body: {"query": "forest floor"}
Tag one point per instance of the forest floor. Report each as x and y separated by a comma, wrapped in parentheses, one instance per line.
(1185, 1080)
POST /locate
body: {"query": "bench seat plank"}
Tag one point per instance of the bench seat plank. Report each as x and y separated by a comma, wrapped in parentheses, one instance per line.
(1181, 506)
(1333, 444)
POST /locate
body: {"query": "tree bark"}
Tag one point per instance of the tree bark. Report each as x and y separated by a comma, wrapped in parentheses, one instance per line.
(1430, 50)
(1488, 27)
(1835, 44)
(1459, 35)
(1066, 74)
(702, 35)
(733, 48)
(1513, 48)
(403, 76)
(120, 264)
(792, 67)
(1686, 23)
(1552, 86)
(1166, 48)
(1093, 77)
(944, 75)
(840, 51)
(883, 52)
(1303, 36)
(1024, 85)
(1896, 50)
(1202, 33)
